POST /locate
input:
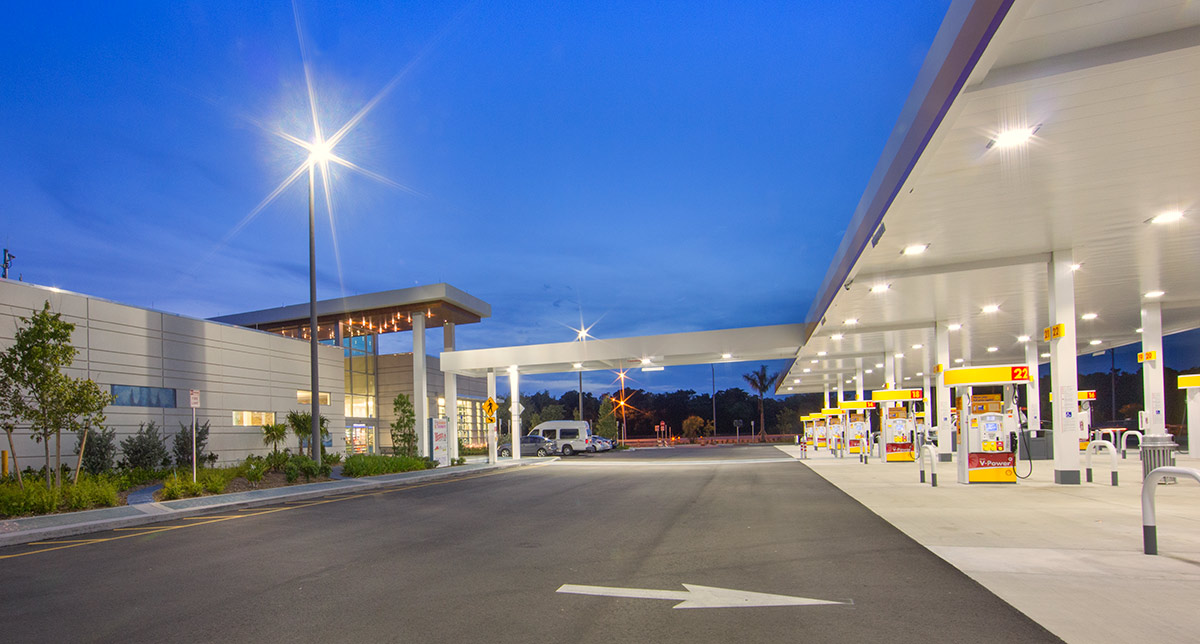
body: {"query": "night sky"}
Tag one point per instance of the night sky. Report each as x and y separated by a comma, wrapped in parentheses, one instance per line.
(647, 167)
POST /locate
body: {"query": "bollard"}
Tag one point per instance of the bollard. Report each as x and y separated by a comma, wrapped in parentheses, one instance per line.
(4, 463)
(1149, 519)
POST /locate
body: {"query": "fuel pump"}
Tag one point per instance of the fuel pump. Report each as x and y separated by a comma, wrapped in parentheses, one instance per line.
(897, 438)
(835, 428)
(988, 423)
(808, 429)
(856, 425)
(820, 432)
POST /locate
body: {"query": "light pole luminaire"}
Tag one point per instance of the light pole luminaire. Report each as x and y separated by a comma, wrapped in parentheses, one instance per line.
(315, 390)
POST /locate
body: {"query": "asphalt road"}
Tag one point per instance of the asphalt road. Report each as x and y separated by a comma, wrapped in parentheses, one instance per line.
(480, 559)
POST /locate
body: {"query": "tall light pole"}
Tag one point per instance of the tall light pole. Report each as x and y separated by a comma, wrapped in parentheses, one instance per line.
(315, 389)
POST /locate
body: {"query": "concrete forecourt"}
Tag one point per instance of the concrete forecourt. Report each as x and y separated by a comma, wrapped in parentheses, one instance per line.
(589, 549)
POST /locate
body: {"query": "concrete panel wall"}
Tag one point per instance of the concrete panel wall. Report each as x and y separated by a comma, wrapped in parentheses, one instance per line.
(235, 369)
(396, 376)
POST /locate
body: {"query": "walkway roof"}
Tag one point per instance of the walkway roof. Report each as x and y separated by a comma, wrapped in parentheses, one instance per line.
(1113, 90)
(382, 312)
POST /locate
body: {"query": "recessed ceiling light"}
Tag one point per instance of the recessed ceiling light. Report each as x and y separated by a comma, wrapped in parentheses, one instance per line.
(726, 356)
(850, 381)
(954, 327)
(993, 349)
(920, 373)
(1095, 342)
(1088, 316)
(958, 361)
(1013, 137)
(880, 288)
(836, 336)
(821, 353)
(653, 368)
(1154, 294)
(908, 377)
(898, 355)
(878, 365)
(1138, 330)
(1045, 355)
(807, 370)
(870, 371)
(796, 381)
(1167, 217)
(915, 249)
(789, 388)
(578, 365)
(918, 346)
(1075, 267)
(851, 321)
(645, 360)
(1022, 338)
(991, 308)
(814, 361)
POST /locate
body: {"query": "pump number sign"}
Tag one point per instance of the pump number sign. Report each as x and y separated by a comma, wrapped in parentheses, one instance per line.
(966, 376)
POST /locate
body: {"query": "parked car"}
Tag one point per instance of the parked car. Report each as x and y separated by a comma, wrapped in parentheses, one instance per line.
(530, 446)
(569, 436)
(600, 444)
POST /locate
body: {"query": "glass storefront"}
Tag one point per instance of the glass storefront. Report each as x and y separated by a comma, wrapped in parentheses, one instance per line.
(360, 439)
(361, 370)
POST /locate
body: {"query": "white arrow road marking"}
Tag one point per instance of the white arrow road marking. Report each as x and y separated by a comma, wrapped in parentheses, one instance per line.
(699, 596)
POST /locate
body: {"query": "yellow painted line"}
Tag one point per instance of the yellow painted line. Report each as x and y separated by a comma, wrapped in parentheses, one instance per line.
(205, 520)
(54, 543)
(214, 516)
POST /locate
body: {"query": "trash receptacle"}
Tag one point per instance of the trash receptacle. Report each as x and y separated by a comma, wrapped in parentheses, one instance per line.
(1158, 451)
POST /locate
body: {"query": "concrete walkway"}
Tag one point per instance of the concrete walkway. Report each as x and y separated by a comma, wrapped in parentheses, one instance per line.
(1070, 557)
(50, 526)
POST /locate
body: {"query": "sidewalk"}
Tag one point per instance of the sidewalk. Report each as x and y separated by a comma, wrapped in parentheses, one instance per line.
(1069, 557)
(50, 526)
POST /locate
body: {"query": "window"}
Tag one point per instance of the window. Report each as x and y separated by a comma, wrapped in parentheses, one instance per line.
(253, 418)
(551, 434)
(129, 396)
(570, 433)
(304, 397)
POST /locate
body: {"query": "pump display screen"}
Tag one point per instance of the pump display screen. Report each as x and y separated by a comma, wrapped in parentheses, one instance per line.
(991, 427)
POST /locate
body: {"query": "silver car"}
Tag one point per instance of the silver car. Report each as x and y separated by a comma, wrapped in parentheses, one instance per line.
(531, 445)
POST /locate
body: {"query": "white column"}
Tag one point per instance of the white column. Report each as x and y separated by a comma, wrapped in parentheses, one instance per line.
(858, 378)
(825, 399)
(841, 390)
(451, 385)
(514, 427)
(925, 399)
(1152, 370)
(889, 371)
(1064, 378)
(491, 427)
(1033, 390)
(1193, 413)
(942, 417)
(420, 386)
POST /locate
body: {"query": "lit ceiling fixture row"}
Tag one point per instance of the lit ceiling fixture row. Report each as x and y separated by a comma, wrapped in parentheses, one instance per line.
(822, 354)
(1088, 316)
(954, 327)
(914, 249)
(851, 321)
(1153, 295)
(1022, 338)
(807, 370)
(1013, 137)
(1045, 355)
(1075, 267)
(836, 336)
(993, 349)
(958, 361)
(1096, 342)
(726, 356)
(880, 288)
(991, 308)
(918, 346)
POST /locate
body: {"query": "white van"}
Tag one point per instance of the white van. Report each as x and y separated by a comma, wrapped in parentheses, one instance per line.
(569, 436)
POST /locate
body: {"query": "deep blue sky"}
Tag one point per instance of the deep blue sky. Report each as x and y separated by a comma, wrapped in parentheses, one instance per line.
(659, 167)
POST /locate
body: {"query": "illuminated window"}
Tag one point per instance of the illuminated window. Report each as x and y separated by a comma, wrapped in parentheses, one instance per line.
(304, 397)
(253, 418)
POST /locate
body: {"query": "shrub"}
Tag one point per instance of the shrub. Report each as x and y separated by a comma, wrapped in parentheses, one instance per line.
(277, 460)
(89, 492)
(145, 449)
(214, 481)
(375, 464)
(131, 478)
(301, 465)
(181, 447)
(100, 451)
(175, 487)
(332, 459)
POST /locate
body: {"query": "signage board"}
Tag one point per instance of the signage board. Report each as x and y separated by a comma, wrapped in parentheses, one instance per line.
(1054, 332)
(894, 395)
(194, 398)
(1001, 374)
(439, 440)
(1147, 356)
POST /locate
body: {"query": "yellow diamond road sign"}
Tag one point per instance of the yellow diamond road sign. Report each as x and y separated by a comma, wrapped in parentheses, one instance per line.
(489, 406)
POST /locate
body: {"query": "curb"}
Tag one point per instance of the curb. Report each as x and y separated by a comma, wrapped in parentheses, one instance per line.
(160, 513)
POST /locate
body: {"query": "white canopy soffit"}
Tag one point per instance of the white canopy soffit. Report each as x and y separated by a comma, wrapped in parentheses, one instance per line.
(674, 349)
(1112, 89)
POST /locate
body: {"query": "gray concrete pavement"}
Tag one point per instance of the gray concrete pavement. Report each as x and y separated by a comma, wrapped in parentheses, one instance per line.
(1070, 557)
(480, 558)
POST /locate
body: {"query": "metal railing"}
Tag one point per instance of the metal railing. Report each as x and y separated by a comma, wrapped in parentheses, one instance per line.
(1094, 448)
(1149, 486)
(932, 463)
(1125, 440)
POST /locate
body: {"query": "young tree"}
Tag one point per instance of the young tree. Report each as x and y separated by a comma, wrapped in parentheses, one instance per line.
(694, 427)
(606, 425)
(274, 434)
(761, 383)
(36, 390)
(404, 438)
(301, 424)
